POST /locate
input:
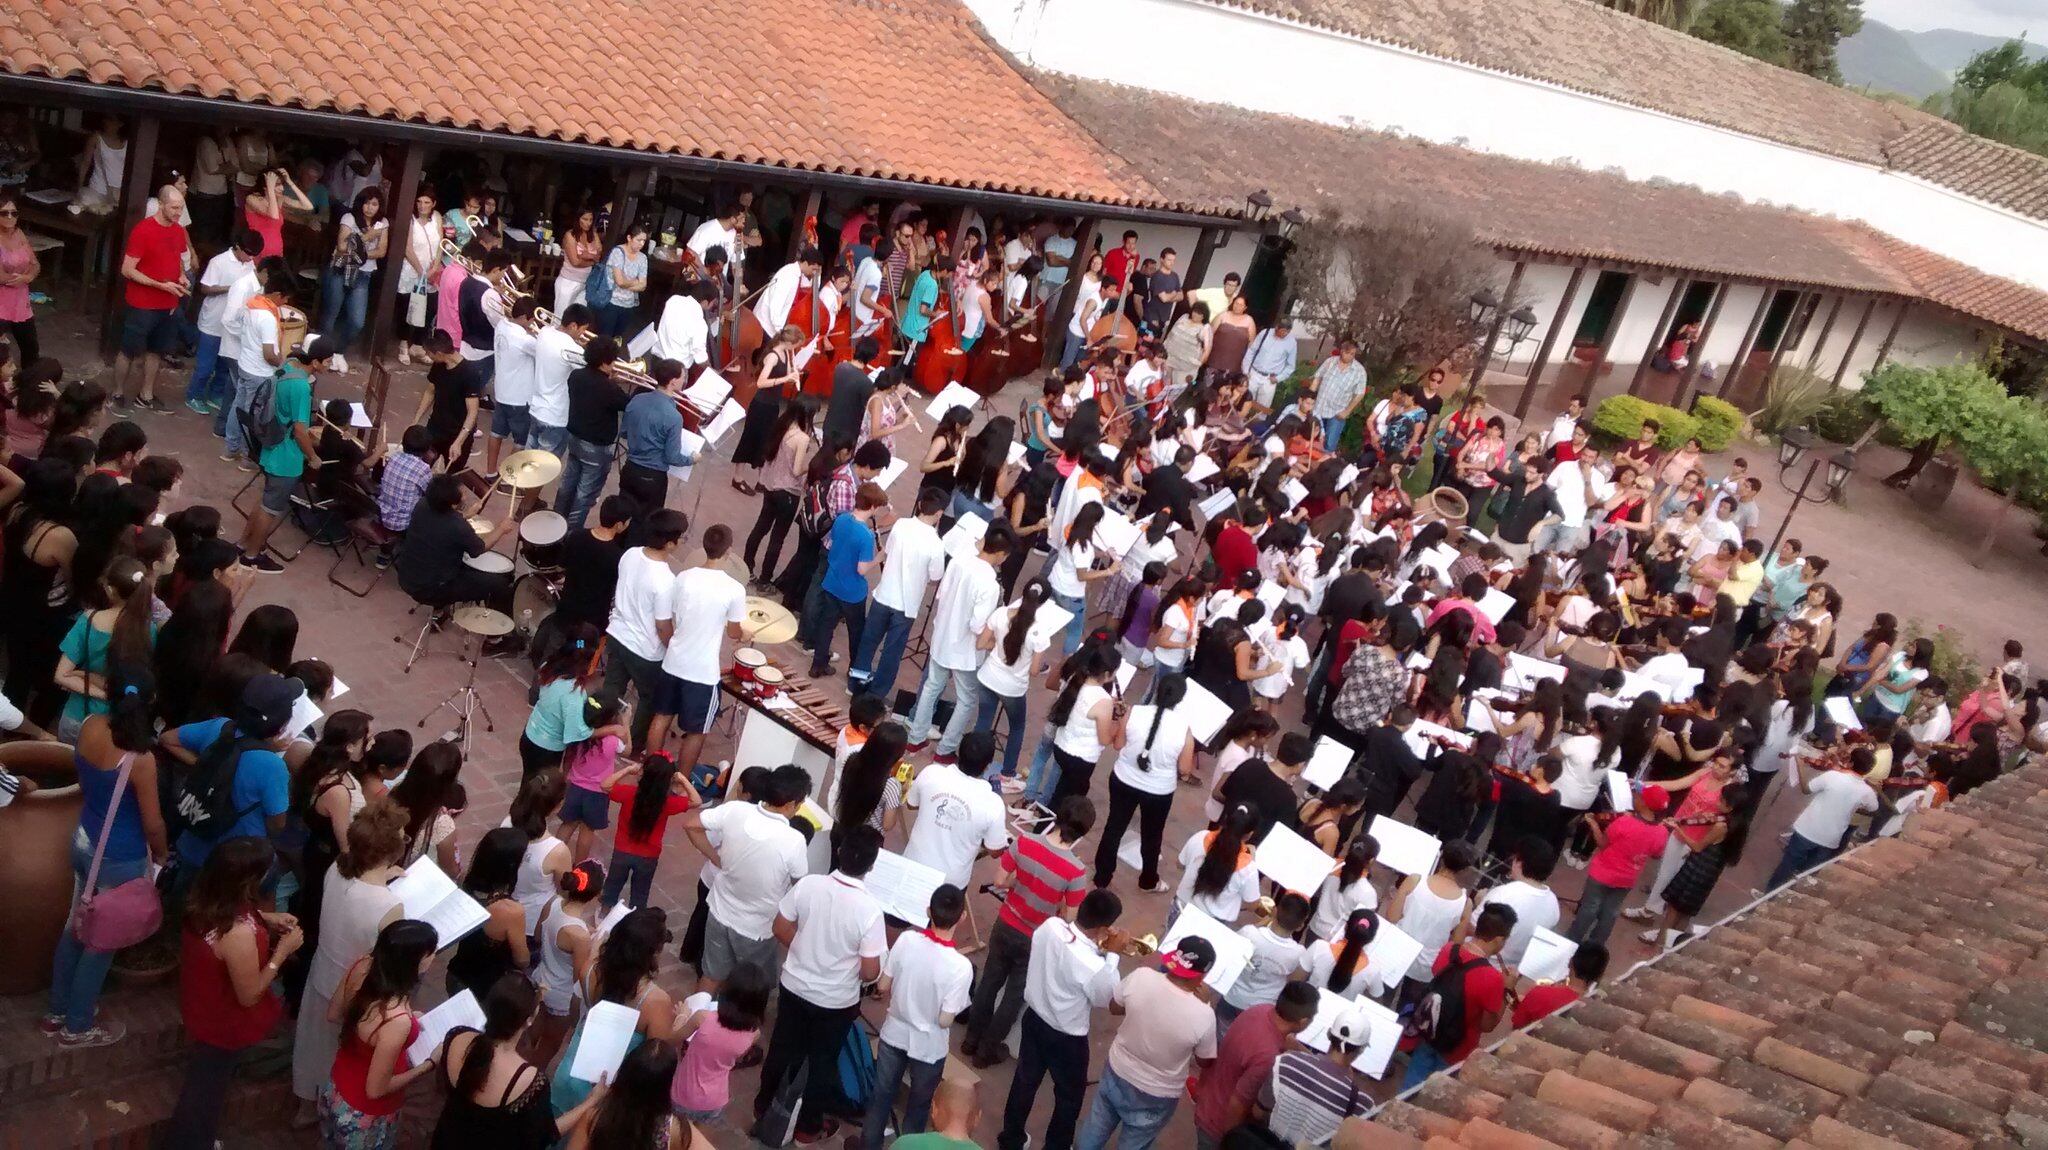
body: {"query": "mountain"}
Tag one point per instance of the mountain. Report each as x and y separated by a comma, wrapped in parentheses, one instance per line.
(1885, 59)
(1948, 49)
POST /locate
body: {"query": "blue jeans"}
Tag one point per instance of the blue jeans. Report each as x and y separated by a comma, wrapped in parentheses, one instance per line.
(986, 704)
(1078, 625)
(1118, 1103)
(965, 504)
(79, 972)
(553, 440)
(1072, 352)
(1424, 1061)
(613, 320)
(343, 310)
(891, 1065)
(1045, 772)
(966, 690)
(584, 470)
(1801, 855)
(213, 378)
(624, 866)
(1333, 432)
(229, 416)
(887, 629)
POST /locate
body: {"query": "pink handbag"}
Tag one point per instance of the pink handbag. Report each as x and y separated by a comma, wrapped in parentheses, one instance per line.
(127, 914)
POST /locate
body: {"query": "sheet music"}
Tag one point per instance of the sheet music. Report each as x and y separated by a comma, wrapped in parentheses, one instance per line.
(1346, 477)
(607, 1030)
(1050, 620)
(1217, 504)
(1128, 851)
(1495, 605)
(1295, 491)
(1576, 612)
(1326, 764)
(1233, 950)
(1633, 684)
(1330, 1007)
(1403, 849)
(951, 396)
(339, 689)
(892, 473)
(903, 887)
(1205, 713)
(431, 897)
(1549, 957)
(1390, 955)
(1843, 712)
(1386, 1036)
(359, 416)
(965, 536)
(1523, 672)
(693, 446)
(1480, 715)
(728, 417)
(605, 924)
(1439, 559)
(1202, 468)
(435, 1024)
(1618, 793)
(641, 344)
(1293, 861)
(1017, 453)
(50, 196)
(1115, 533)
(709, 391)
(1272, 595)
(1124, 675)
(305, 712)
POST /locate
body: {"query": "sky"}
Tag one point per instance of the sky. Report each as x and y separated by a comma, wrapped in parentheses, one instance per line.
(1991, 17)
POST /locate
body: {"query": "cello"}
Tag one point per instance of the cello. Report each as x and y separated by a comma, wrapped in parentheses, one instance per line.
(988, 366)
(835, 347)
(1114, 330)
(941, 362)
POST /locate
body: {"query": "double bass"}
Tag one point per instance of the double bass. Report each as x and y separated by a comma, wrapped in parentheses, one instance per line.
(988, 367)
(941, 361)
(1114, 330)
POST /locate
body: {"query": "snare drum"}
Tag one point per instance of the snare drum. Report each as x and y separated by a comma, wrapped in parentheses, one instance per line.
(490, 562)
(767, 681)
(540, 540)
(746, 662)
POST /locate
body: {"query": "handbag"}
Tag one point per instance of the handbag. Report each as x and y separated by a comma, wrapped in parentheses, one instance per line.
(416, 305)
(127, 914)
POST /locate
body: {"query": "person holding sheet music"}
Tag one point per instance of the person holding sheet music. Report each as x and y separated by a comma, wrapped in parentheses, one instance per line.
(777, 381)
(1089, 717)
(968, 595)
(1015, 656)
(1168, 1032)
(1589, 966)
(1428, 908)
(1485, 992)
(499, 947)
(1158, 749)
(363, 1087)
(1276, 960)
(1217, 874)
(496, 1097)
(356, 903)
(912, 560)
(1310, 1096)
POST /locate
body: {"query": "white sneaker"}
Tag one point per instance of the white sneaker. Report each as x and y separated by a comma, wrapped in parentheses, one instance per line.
(1011, 784)
(340, 362)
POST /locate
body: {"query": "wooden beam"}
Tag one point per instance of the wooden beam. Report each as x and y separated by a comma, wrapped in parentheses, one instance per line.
(1855, 341)
(137, 176)
(628, 184)
(1699, 346)
(1799, 303)
(1748, 344)
(1500, 319)
(1198, 261)
(1884, 350)
(1550, 335)
(384, 297)
(1070, 292)
(1635, 384)
(1826, 329)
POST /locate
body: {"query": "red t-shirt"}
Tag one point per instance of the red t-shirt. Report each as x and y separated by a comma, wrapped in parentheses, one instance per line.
(1349, 636)
(1631, 842)
(1114, 266)
(1485, 993)
(1244, 1061)
(159, 251)
(624, 839)
(1542, 1002)
(1235, 553)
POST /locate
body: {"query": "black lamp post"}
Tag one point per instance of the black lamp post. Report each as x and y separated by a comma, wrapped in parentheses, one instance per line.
(1514, 327)
(1794, 446)
(1257, 206)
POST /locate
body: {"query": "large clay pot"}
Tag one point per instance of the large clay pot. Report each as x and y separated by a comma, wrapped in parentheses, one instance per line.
(35, 865)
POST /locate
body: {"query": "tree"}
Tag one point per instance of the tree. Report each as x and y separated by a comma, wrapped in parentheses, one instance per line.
(1670, 13)
(1752, 27)
(2007, 445)
(1813, 29)
(1932, 406)
(1398, 278)
(2005, 64)
(2000, 95)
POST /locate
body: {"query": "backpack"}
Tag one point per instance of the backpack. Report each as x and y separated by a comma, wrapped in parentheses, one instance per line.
(264, 425)
(1439, 1016)
(597, 287)
(816, 514)
(201, 799)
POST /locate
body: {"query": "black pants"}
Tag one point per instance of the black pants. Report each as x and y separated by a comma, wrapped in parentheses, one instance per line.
(470, 585)
(692, 951)
(25, 341)
(622, 667)
(999, 992)
(209, 1071)
(647, 487)
(534, 758)
(778, 511)
(1046, 1051)
(1151, 809)
(1076, 773)
(805, 1031)
(795, 581)
(832, 610)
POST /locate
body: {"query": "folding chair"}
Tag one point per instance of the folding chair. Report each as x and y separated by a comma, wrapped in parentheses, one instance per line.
(364, 536)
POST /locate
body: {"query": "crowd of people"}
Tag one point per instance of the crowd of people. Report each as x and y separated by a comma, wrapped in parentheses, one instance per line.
(1534, 651)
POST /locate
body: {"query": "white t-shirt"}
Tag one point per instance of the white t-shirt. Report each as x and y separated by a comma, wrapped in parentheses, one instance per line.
(555, 354)
(1322, 962)
(348, 224)
(1004, 678)
(1334, 905)
(1275, 959)
(1566, 480)
(1580, 782)
(763, 856)
(1174, 627)
(221, 271)
(1935, 727)
(702, 601)
(1533, 905)
(235, 312)
(927, 980)
(1077, 735)
(259, 328)
(957, 818)
(1837, 797)
(968, 594)
(838, 923)
(1225, 905)
(640, 601)
(1068, 978)
(1068, 563)
(912, 561)
(1089, 297)
(1292, 655)
(512, 365)
(1165, 748)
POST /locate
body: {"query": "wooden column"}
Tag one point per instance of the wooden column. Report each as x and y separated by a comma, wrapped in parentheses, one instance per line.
(1884, 350)
(1699, 347)
(1500, 319)
(1550, 336)
(1756, 323)
(1198, 261)
(384, 303)
(1070, 292)
(630, 183)
(1785, 339)
(136, 178)
(813, 200)
(1855, 341)
(1635, 384)
(1826, 329)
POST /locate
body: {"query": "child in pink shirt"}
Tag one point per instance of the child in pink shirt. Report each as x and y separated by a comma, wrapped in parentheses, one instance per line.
(713, 1040)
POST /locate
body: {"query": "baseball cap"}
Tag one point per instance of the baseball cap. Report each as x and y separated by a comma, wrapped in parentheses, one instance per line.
(1655, 799)
(1353, 1027)
(267, 705)
(1191, 959)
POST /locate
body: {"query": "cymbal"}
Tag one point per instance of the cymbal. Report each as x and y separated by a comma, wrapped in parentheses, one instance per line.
(529, 469)
(483, 621)
(767, 621)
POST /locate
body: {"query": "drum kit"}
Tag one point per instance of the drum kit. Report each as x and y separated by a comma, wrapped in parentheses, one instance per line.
(767, 622)
(483, 623)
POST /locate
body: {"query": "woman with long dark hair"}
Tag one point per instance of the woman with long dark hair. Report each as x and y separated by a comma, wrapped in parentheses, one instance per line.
(1727, 824)
(425, 794)
(795, 580)
(188, 646)
(1029, 508)
(1088, 717)
(499, 947)
(634, 1114)
(782, 484)
(1340, 965)
(623, 973)
(1158, 751)
(977, 479)
(942, 455)
(360, 1100)
(559, 718)
(1016, 656)
(326, 795)
(1347, 891)
(533, 811)
(868, 792)
(1073, 568)
(115, 631)
(652, 792)
(1217, 874)
(268, 634)
(496, 1098)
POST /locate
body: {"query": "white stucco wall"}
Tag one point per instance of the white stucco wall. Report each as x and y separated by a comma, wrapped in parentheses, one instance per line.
(1223, 56)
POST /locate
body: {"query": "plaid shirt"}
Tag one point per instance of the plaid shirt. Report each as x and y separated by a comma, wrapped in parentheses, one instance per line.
(1373, 682)
(840, 492)
(405, 480)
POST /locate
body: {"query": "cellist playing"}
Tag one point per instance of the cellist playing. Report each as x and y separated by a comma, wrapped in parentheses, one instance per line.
(923, 306)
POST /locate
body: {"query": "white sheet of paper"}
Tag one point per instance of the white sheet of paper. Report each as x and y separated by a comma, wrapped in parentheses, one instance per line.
(1618, 792)
(1439, 559)
(1205, 713)
(1330, 1006)
(340, 689)
(951, 396)
(728, 417)
(605, 924)
(1217, 504)
(892, 473)
(1347, 476)
(607, 1029)
(1275, 446)
(641, 343)
(1480, 716)
(1495, 605)
(1327, 763)
(693, 446)
(1392, 954)
(431, 897)
(1293, 861)
(435, 1024)
(1295, 491)
(903, 887)
(1386, 1036)
(1115, 533)
(1419, 661)
(1418, 738)
(1233, 950)
(1051, 620)
(1403, 849)
(1843, 712)
(709, 392)
(1523, 672)
(1477, 536)
(359, 416)
(1016, 456)
(1633, 684)
(305, 712)
(1124, 675)
(1549, 957)
(518, 235)
(1576, 612)
(1202, 468)
(1272, 595)
(964, 537)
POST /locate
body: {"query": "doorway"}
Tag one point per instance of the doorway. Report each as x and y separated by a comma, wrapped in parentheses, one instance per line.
(1598, 318)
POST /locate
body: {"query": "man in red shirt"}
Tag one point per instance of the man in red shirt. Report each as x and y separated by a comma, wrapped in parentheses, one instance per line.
(1621, 848)
(1039, 876)
(1484, 991)
(1589, 964)
(1120, 264)
(153, 264)
(1234, 550)
(1228, 1086)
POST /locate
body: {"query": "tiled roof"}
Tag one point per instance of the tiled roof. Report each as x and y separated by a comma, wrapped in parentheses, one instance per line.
(898, 89)
(1897, 998)
(1982, 169)
(1960, 287)
(1590, 48)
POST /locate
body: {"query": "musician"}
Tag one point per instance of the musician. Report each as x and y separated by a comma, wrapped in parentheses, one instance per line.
(720, 231)
(975, 301)
(1162, 294)
(557, 351)
(345, 457)
(717, 303)
(1147, 377)
(455, 388)
(1120, 265)
(430, 565)
(590, 564)
(778, 377)
(595, 401)
(870, 306)
(776, 307)
(852, 383)
(682, 333)
(652, 429)
(477, 319)
(512, 385)
(923, 307)
(1623, 846)
(1017, 292)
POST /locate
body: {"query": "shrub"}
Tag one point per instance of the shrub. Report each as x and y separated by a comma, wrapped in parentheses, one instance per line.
(1791, 400)
(1620, 418)
(1952, 661)
(1719, 422)
(1844, 417)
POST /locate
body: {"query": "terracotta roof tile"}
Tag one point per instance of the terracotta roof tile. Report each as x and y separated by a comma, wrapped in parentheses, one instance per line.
(1944, 154)
(673, 76)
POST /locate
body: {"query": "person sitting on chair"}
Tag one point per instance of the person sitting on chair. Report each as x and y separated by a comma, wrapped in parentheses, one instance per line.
(431, 561)
(348, 458)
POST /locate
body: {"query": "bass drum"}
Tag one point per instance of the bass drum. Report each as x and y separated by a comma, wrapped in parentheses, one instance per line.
(533, 612)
